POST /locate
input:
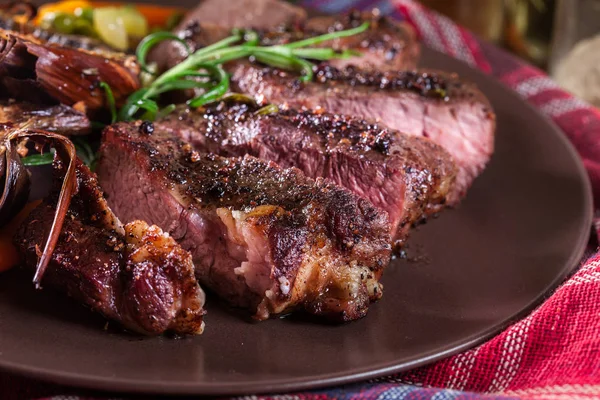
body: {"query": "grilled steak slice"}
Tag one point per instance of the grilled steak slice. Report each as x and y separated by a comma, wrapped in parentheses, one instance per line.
(262, 237)
(136, 274)
(386, 45)
(255, 14)
(58, 118)
(435, 105)
(407, 176)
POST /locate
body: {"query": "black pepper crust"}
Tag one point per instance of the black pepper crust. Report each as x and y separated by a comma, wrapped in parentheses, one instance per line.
(426, 84)
(218, 122)
(306, 225)
(210, 181)
(425, 172)
(278, 85)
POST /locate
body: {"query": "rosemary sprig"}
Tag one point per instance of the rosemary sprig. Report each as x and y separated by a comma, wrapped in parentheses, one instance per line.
(203, 68)
(152, 40)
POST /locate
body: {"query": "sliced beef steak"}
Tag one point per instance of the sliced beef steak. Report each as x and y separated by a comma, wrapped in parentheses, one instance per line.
(255, 14)
(407, 176)
(134, 274)
(262, 237)
(436, 105)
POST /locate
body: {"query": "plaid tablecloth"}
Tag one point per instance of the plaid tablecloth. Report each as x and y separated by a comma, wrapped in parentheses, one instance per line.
(554, 353)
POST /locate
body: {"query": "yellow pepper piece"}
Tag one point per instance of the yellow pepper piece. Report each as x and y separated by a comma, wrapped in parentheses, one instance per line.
(66, 6)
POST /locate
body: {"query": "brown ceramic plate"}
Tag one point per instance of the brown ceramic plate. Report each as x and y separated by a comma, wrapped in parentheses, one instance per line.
(521, 230)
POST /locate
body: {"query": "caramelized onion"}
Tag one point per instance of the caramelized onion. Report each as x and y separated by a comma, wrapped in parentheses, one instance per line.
(63, 74)
(16, 183)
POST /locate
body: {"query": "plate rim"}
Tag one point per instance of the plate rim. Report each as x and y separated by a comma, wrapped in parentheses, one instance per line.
(117, 385)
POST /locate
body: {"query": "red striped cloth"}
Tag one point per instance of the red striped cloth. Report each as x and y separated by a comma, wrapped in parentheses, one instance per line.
(551, 354)
(555, 352)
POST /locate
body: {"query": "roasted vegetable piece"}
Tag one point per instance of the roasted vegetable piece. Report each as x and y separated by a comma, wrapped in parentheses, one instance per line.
(56, 118)
(30, 68)
(17, 17)
(16, 182)
(120, 27)
(111, 28)
(48, 11)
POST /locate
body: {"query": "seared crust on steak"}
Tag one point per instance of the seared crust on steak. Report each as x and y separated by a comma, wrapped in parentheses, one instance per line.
(437, 105)
(409, 177)
(262, 237)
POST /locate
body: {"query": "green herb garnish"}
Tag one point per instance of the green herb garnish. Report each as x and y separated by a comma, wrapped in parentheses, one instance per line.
(152, 40)
(203, 68)
(36, 160)
(110, 99)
